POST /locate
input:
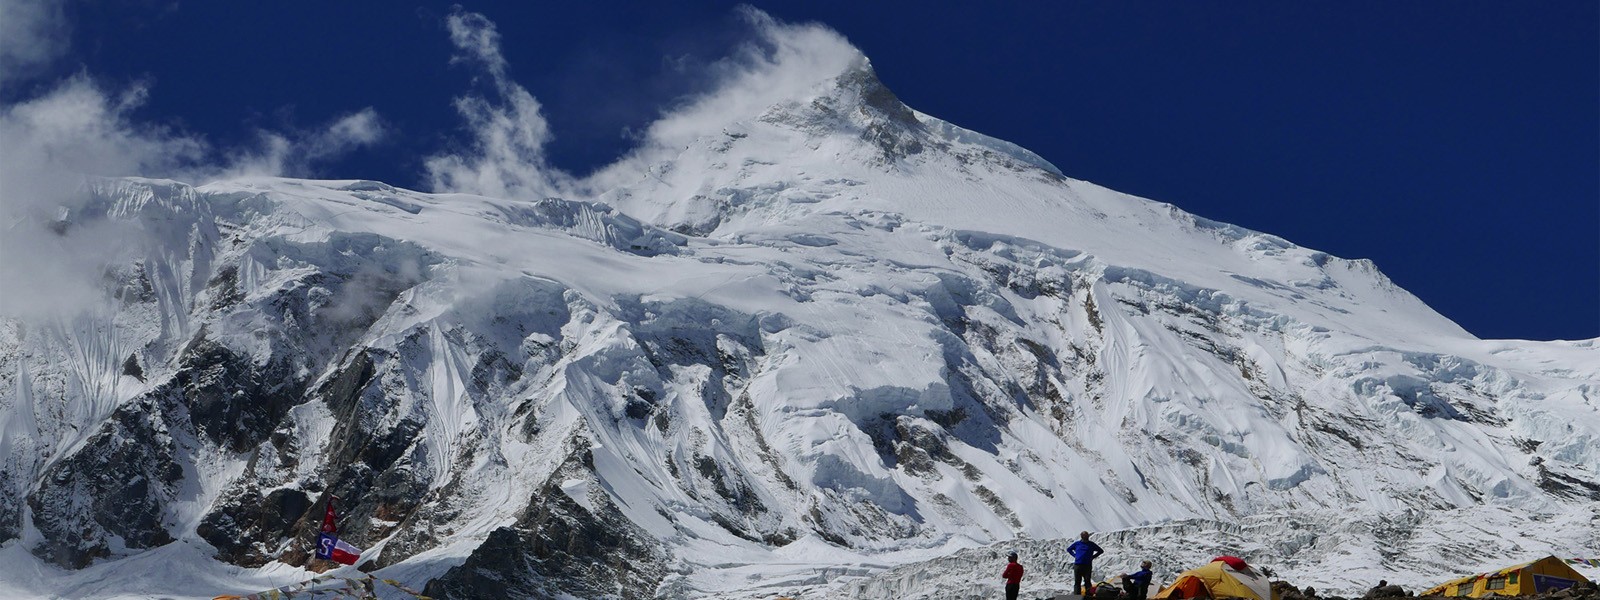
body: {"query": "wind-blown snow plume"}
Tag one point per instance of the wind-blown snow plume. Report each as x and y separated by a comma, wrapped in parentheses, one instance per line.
(780, 63)
(295, 153)
(506, 158)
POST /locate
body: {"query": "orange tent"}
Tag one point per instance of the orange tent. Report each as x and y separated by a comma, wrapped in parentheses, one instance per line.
(1224, 577)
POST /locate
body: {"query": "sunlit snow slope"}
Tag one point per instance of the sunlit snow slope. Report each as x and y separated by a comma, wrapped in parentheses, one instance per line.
(838, 334)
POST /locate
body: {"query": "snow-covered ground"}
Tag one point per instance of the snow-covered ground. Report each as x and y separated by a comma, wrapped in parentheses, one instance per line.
(835, 347)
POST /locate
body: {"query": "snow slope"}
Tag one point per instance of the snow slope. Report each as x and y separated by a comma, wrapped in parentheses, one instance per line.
(834, 337)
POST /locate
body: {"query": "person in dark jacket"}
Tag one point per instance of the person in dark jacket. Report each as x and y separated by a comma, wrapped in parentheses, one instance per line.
(1137, 584)
(1013, 577)
(1377, 590)
(1083, 554)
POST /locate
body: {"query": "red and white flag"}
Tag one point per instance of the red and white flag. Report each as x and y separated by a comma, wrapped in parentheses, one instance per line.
(330, 547)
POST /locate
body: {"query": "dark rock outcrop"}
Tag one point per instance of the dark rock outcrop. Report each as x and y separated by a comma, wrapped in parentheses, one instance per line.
(117, 486)
(233, 402)
(10, 509)
(249, 527)
(558, 547)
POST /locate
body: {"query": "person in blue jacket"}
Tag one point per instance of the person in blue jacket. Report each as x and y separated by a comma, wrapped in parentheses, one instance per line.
(1137, 584)
(1083, 554)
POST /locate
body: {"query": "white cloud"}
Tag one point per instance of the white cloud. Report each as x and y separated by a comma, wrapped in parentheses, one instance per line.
(51, 142)
(32, 33)
(79, 129)
(47, 146)
(355, 130)
(295, 153)
(506, 157)
(476, 36)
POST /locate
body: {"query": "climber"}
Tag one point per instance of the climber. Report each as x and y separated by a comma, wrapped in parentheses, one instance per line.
(1083, 554)
(1013, 577)
(1137, 584)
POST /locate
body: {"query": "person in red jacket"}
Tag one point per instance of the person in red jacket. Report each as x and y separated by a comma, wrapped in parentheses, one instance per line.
(1013, 577)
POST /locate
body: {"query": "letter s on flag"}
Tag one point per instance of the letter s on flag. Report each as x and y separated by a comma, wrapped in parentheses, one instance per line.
(325, 545)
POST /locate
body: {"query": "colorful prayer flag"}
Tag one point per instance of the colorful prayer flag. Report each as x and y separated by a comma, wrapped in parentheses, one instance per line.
(321, 586)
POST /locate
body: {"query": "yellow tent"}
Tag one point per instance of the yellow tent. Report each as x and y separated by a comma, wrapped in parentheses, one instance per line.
(1543, 575)
(1225, 577)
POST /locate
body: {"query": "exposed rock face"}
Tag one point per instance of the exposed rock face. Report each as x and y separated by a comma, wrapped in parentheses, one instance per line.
(116, 489)
(558, 546)
(10, 509)
(240, 526)
(216, 380)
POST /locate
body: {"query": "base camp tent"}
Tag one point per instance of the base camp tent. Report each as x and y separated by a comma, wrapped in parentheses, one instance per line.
(1543, 575)
(1224, 577)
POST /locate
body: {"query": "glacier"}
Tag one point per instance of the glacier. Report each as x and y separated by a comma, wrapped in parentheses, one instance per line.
(837, 347)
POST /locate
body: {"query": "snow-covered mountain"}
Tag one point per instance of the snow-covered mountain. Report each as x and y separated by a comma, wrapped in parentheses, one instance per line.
(838, 347)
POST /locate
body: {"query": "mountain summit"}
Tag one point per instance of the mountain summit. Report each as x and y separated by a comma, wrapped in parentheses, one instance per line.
(835, 336)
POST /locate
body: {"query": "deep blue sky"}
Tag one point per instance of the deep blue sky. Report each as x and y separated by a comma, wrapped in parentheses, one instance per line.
(1456, 143)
